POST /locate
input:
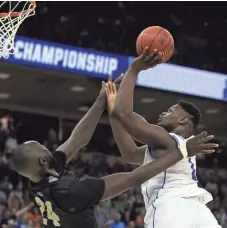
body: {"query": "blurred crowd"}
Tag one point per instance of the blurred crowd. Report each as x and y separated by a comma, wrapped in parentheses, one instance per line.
(114, 27)
(125, 211)
(198, 31)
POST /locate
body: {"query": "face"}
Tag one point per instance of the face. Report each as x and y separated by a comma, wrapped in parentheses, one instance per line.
(39, 158)
(172, 118)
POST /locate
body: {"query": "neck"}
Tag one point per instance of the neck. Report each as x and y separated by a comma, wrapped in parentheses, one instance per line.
(36, 179)
(185, 133)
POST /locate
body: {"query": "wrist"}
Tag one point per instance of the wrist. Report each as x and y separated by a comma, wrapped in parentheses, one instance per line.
(101, 101)
(134, 70)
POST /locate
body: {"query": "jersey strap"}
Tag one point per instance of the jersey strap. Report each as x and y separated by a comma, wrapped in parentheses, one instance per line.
(183, 147)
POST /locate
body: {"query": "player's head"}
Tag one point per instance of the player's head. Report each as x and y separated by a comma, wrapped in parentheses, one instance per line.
(32, 160)
(183, 114)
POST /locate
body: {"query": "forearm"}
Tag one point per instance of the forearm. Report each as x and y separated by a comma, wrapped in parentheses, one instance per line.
(117, 183)
(84, 130)
(129, 151)
(86, 127)
(124, 99)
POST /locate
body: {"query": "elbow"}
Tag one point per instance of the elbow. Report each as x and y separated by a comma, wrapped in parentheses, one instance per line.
(120, 113)
(85, 141)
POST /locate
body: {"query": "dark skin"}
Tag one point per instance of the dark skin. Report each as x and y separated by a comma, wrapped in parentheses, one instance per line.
(126, 123)
(40, 157)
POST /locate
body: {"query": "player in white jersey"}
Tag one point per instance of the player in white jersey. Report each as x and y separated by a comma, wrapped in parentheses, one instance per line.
(172, 198)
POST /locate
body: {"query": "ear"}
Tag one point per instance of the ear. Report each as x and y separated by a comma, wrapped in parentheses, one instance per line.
(43, 162)
(184, 120)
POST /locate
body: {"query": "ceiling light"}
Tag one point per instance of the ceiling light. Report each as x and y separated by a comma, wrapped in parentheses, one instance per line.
(147, 100)
(4, 76)
(83, 108)
(4, 95)
(213, 111)
(77, 89)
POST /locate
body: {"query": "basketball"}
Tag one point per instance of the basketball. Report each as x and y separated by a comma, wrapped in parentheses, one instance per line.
(156, 37)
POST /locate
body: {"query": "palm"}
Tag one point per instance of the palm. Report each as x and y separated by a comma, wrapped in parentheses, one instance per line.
(111, 94)
(110, 101)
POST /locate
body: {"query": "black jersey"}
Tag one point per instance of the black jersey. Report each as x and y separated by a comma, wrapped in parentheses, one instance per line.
(67, 201)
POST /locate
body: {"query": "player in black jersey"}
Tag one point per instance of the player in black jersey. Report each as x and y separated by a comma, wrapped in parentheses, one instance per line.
(66, 200)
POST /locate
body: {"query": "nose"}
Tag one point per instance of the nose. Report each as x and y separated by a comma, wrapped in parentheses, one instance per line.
(162, 114)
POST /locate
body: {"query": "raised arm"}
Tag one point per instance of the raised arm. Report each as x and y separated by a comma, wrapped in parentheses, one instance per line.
(130, 152)
(135, 125)
(82, 133)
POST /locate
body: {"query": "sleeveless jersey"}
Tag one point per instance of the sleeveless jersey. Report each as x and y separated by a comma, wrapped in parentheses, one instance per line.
(177, 181)
(67, 201)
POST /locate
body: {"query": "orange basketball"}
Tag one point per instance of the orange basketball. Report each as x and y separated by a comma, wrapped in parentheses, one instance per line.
(156, 37)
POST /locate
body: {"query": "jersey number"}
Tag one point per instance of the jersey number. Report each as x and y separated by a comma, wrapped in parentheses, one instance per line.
(47, 207)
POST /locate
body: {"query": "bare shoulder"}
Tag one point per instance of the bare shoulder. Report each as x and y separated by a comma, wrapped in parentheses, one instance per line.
(164, 139)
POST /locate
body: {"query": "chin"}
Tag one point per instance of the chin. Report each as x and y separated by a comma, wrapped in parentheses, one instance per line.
(160, 124)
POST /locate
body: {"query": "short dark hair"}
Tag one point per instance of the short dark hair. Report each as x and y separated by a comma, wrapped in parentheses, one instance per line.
(18, 161)
(193, 110)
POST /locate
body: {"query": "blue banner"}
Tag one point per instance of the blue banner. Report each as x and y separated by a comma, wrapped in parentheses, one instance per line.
(99, 64)
(185, 80)
(77, 60)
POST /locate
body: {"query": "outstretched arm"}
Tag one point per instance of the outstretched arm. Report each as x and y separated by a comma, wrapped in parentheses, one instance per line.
(82, 133)
(83, 196)
(117, 183)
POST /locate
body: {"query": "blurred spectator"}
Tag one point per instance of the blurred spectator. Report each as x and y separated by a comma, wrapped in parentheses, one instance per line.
(11, 144)
(124, 211)
(101, 216)
(52, 143)
(116, 31)
(117, 223)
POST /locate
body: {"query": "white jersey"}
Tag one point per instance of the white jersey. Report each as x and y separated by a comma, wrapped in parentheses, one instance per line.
(177, 181)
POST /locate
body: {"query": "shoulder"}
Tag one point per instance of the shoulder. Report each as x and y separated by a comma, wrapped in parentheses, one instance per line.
(77, 193)
(177, 138)
(85, 184)
(164, 140)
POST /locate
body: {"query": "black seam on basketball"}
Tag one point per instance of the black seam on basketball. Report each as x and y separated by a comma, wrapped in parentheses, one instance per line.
(154, 39)
(167, 44)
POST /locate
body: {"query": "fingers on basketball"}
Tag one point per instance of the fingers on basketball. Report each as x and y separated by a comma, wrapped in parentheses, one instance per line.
(152, 59)
(145, 51)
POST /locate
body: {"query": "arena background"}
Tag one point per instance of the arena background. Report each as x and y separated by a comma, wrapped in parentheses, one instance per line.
(64, 52)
